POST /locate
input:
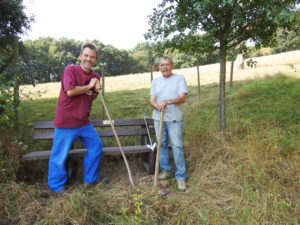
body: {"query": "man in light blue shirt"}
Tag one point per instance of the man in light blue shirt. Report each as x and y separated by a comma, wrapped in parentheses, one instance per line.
(167, 94)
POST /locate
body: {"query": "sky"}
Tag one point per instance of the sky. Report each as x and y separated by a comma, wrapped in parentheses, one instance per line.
(120, 23)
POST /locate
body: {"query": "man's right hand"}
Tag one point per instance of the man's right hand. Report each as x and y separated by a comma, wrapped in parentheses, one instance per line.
(79, 90)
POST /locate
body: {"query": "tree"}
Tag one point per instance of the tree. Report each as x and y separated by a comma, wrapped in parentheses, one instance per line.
(287, 41)
(139, 56)
(49, 57)
(202, 25)
(13, 21)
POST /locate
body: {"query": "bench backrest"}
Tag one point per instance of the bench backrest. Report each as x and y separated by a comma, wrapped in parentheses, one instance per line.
(131, 127)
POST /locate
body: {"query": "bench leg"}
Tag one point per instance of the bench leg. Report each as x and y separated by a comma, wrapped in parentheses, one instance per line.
(151, 160)
(71, 166)
(149, 163)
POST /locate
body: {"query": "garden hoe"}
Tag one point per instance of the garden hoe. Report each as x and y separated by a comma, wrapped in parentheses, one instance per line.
(158, 148)
(117, 138)
(152, 147)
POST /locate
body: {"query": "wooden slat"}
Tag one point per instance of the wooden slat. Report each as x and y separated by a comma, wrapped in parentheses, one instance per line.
(122, 122)
(43, 125)
(75, 153)
(43, 136)
(101, 133)
(99, 123)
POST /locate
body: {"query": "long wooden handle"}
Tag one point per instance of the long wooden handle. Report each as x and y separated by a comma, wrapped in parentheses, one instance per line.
(162, 114)
(117, 138)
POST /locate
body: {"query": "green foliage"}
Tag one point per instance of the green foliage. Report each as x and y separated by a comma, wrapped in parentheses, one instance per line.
(11, 146)
(265, 52)
(115, 61)
(287, 41)
(49, 57)
(283, 41)
(225, 23)
(13, 21)
(6, 103)
(146, 55)
(138, 203)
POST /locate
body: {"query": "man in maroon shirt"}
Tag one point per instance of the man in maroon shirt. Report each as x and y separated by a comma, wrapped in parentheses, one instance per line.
(79, 87)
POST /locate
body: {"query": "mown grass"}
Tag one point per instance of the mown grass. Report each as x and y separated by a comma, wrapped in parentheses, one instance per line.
(250, 175)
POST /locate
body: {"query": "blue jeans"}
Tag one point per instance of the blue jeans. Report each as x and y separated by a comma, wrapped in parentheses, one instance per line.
(63, 139)
(172, 131)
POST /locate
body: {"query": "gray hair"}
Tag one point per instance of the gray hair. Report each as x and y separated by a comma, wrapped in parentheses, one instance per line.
(165, 58)
(91, 46)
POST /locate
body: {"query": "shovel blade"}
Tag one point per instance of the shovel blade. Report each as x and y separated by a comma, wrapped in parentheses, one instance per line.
(152, 147)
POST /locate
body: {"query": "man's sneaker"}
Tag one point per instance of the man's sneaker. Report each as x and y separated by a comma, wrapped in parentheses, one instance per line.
(61, 193)
(103, 180)
(164, 175)
(181, 185)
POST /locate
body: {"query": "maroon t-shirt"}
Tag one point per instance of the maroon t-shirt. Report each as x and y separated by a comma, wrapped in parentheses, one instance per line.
(73, 112)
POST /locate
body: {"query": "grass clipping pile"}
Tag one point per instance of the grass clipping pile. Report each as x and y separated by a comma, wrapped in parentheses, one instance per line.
(10, 155)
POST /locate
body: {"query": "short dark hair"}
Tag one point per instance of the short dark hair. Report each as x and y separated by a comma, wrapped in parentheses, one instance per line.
(165, 58)
(91, 46)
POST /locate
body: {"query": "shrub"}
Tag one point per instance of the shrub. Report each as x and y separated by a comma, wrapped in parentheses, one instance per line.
(264, 51)
(9, 155)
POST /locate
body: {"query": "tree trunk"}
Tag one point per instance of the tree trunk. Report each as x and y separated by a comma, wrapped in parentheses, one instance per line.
(222, 106)
(103, 92)
(198, 75)
(16, 101)
(240, 61)
(17, 84)
(231, 74)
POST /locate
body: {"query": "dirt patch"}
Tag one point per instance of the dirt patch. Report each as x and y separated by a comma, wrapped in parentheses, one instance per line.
(111, 167)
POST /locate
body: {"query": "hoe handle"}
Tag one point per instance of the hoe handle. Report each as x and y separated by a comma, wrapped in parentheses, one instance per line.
(117, 138)
(158, 148)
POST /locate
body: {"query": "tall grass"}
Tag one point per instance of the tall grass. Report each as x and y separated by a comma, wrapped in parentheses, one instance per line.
(250, 175)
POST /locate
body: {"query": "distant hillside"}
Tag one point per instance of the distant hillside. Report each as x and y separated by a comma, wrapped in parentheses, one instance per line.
(266, 65)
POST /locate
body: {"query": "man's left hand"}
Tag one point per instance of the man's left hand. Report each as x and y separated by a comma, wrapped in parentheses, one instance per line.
(161, 106)
(98, 87)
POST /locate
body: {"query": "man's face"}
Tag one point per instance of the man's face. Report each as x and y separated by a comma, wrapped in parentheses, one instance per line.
(88, 58)
(165, 67)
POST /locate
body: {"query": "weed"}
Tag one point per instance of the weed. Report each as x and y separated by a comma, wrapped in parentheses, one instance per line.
(203, 217)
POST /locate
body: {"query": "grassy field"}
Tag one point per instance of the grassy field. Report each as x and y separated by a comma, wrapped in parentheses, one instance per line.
(248, 176)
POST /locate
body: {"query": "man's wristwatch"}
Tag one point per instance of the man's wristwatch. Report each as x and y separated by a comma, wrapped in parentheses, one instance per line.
(170, 101)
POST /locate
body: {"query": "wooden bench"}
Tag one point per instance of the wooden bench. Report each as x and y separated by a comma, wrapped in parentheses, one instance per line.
(124, 127)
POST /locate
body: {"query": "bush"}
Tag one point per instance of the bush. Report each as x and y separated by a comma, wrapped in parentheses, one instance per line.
(264, 52)
(9, 155)
(6, 103)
